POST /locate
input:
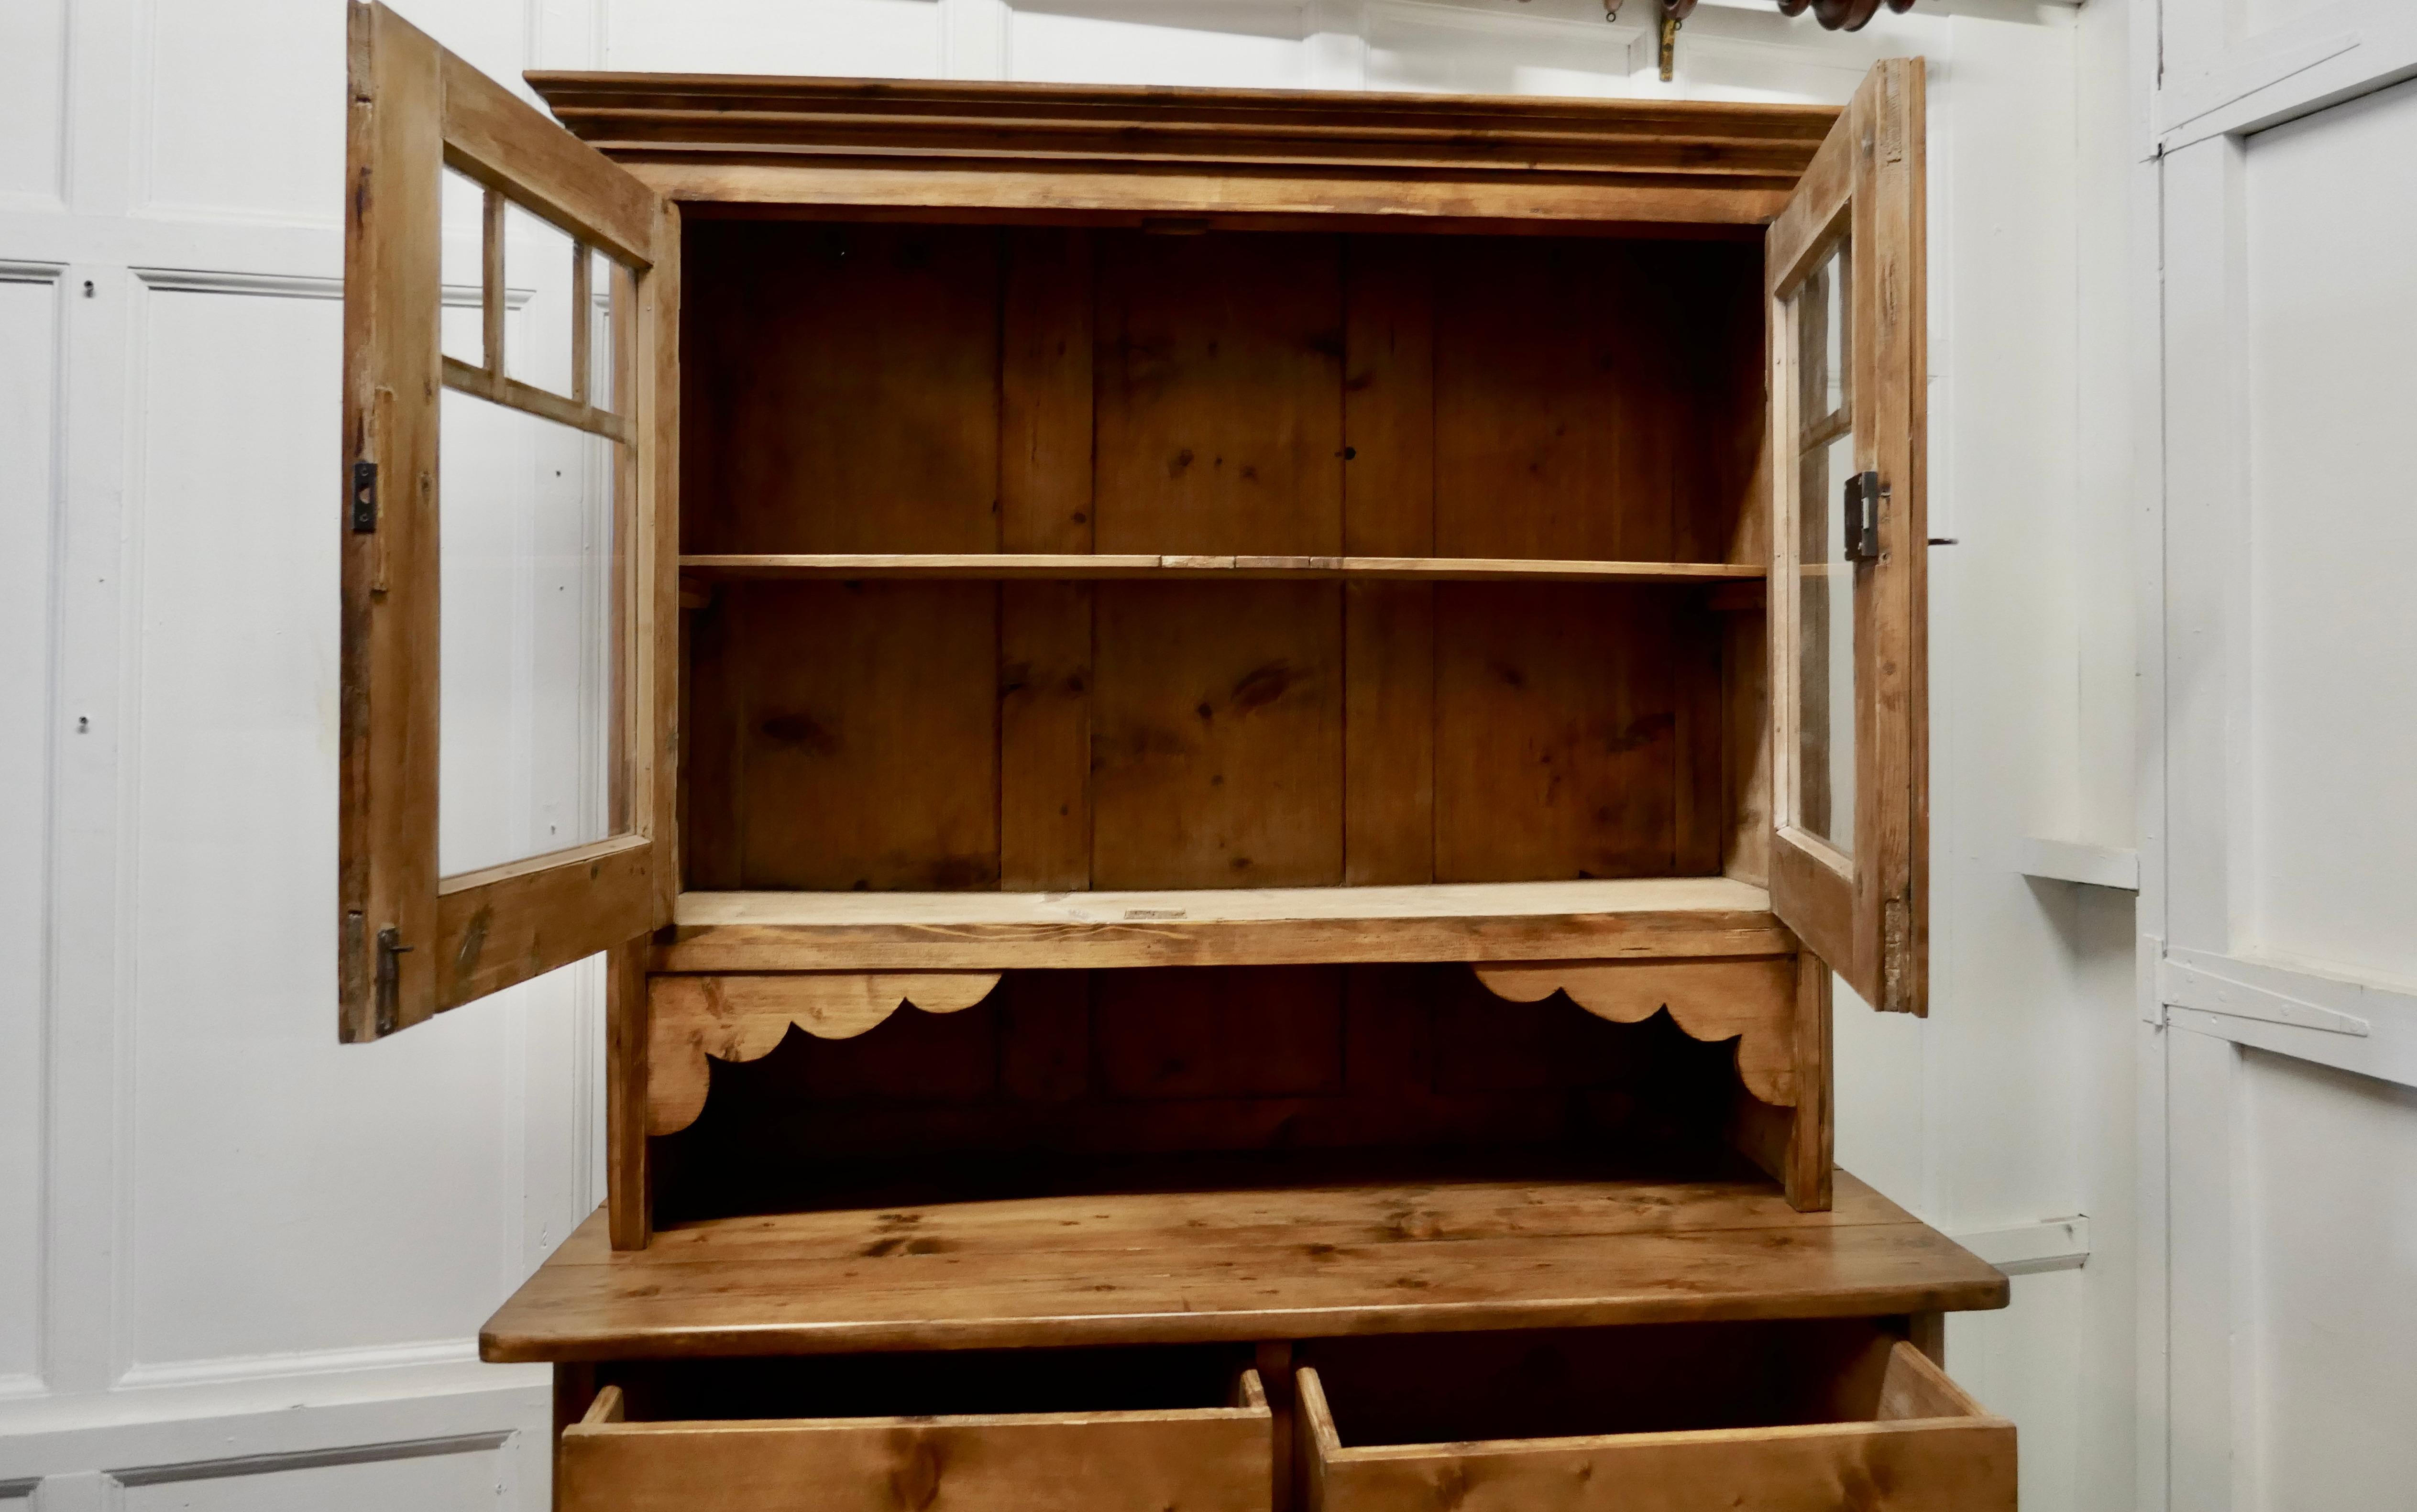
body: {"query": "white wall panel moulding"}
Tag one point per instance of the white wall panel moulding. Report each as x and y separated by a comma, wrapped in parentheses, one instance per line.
(350, 1454)
(301, 1366)
(2327, 55)
(2366, 1027)
(2082, 861)
(298, 286)
(2028, 1248)
(333, 1410)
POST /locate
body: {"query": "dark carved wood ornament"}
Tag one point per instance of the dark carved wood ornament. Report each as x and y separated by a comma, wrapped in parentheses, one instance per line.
(1833, 15)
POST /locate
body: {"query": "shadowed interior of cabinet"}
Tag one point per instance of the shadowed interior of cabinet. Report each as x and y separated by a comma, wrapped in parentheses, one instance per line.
(1066, 1080)
(1378, 1389)
(983, 390)
(1450, 1388)
(1132, 1379)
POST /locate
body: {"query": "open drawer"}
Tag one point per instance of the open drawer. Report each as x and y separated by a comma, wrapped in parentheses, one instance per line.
(1778, 1417)
(1186, 1439)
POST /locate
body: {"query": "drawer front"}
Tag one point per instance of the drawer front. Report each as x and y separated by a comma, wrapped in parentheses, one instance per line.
(1944, 1455)
(1215, 1459)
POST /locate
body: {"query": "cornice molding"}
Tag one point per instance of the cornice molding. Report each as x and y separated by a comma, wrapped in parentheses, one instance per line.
(737, 137)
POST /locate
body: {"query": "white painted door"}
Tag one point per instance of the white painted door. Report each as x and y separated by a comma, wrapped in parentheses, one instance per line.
(2280, 965)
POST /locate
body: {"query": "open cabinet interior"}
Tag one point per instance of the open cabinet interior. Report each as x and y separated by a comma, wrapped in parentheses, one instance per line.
(1175, 1078)
(1397, 560)
(1054, 560)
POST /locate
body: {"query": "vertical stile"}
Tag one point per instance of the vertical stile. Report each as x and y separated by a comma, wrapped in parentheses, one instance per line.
(629, 1190)
(490, 285)
(386, 803)
(649, 394)
(626, 712)
(583, 318)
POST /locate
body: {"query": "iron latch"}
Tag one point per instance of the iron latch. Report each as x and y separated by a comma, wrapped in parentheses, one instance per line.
(1860, 535)
(364, 498)
(389, 979)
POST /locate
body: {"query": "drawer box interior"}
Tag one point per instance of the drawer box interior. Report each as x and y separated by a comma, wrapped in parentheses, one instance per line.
(1777, 1417)
(1146, 1431)
(952, 1383)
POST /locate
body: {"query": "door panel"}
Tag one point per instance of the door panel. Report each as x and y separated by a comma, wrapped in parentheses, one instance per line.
(1849, 870)
(459, 872)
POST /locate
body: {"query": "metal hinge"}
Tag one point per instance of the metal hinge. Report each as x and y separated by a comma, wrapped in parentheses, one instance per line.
(364, 505)
(1861, 534)
(390, 977)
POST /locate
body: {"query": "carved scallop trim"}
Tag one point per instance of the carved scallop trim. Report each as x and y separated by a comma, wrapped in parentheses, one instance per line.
(1752, 1001)
(741, 1017)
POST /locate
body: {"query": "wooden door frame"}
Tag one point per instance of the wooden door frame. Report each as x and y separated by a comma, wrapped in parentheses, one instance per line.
(1870, 922)
(410, 941)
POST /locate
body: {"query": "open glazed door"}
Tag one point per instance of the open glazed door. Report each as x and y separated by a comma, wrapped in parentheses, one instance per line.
(1848, 584)
(508, 568)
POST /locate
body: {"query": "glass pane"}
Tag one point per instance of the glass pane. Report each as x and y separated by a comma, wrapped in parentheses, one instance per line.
(1823, 751)
(538, 280)
(527, 749)
(610, 291)
(461, 207)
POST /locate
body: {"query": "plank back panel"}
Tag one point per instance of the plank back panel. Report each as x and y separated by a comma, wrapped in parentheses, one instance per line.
(1219, 376)
(1217, 735)
(1556, 745)
(975, 389)
(1540, 447)
(868, 730)
(1389, 511)
(1045, 498)
(1595, 400)
(841, 388)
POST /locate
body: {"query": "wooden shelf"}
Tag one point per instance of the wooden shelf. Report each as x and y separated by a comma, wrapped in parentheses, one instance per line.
(1628, 918)
(1006, 565)
(1292, 1257)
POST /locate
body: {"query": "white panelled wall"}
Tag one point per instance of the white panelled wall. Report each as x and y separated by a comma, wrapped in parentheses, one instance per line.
(2279, 1170)
(242, 1265)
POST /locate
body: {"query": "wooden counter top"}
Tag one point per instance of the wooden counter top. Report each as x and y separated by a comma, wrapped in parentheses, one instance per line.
(1233, 1264)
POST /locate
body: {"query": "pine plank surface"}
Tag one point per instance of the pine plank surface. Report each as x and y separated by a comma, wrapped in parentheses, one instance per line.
(1235, 1264)
(1622, 918)
(1077, 566)
(1204, 1459)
